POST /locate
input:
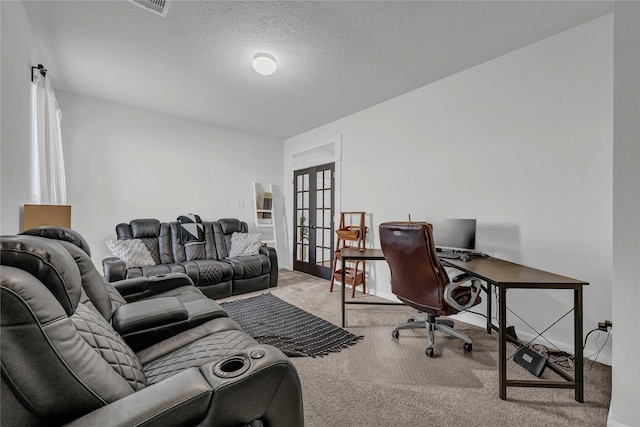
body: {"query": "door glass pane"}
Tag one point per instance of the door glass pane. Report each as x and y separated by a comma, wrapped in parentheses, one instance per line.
(319, 180)
(327, 199)
(327, 237)
(305, 200)
(305, 182)
(319, 200)
(318, 256)
(327, 218)
(319, 236)
(299, 200)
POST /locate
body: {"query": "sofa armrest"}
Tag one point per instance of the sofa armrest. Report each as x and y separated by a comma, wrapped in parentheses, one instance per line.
(142, 315)
(114, 269)
(273, 257)
(143, 323)
(144, 287)
(180, 400)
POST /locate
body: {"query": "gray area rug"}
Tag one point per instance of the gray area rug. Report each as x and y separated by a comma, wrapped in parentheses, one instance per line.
(269, 320)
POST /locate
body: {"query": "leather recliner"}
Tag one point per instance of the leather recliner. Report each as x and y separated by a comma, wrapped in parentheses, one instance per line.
(62, 362)
(156, 307)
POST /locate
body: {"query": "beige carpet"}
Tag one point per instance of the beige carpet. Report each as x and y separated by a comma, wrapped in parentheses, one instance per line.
(385, 382)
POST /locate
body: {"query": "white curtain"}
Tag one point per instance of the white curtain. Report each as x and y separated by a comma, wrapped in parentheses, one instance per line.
(49, 185)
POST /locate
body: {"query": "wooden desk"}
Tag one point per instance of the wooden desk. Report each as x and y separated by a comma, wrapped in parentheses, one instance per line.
(506, 275)
(350, 254)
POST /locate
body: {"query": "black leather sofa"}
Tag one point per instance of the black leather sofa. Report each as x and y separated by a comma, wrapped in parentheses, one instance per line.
(216, 274)
(65, 363)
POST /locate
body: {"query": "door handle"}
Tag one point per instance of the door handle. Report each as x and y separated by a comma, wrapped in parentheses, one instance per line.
(313, 227)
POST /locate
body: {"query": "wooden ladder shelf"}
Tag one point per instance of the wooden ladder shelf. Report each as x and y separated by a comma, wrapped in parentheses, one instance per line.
(353, 236)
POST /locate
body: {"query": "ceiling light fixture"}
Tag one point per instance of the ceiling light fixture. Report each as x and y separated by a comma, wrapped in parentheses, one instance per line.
(264, 64)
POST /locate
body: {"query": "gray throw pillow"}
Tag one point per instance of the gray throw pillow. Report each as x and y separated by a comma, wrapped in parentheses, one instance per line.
(244, 244)
(131, 251)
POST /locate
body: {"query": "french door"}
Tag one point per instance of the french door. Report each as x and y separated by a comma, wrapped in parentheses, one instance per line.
(313, 199)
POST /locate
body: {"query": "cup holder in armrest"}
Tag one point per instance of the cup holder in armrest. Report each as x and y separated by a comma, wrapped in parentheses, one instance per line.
(231, 367)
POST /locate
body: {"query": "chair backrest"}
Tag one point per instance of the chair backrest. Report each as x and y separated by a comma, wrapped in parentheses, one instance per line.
(60, 233)
(104, 296)
(162, 239)
(153, 233)
(223, 230)
(417, 277)
(60, 358)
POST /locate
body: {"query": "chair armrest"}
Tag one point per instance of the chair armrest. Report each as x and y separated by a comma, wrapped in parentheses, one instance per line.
(144, 323)
(273, 258)
(180, 400)
(143, 287)
(148, 314)
(114, 269)
(458, 282)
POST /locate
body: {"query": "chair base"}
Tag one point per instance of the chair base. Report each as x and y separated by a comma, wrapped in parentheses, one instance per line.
(433, 323)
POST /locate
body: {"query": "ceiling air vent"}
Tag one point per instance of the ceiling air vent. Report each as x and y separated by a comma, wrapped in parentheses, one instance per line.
(159, 7)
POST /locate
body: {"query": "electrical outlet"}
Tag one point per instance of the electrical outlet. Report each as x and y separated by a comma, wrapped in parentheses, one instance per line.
(239, 203)
(605, 325)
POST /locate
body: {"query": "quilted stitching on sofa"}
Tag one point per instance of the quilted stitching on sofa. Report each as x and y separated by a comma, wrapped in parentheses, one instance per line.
(211, 348)
(252, 266)
(116, 299)
(152, 245)
(210, 272)
(99, 335)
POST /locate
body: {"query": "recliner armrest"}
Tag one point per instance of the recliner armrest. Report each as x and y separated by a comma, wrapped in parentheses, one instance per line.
(144, 315)
(180, 400)
(273, 258)
(144, 323)
(143, 287)
(114, 269)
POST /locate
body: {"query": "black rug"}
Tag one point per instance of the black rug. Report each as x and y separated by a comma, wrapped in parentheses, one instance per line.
(270, 320)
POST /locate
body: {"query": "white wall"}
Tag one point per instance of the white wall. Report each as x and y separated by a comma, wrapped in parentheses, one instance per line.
(625, 390)
(19, 53)
(523, 143)
(125, 163)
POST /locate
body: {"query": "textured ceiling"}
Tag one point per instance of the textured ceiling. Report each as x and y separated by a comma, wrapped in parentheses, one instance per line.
(334, 58)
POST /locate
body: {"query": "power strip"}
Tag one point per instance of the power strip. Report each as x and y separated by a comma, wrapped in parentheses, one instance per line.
(530, 360)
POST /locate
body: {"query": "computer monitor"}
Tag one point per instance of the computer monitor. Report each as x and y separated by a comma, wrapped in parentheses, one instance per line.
(454, 234)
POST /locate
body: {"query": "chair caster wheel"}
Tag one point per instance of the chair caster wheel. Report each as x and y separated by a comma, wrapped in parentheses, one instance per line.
(411, 320)
(395, 334)
(430, 352)
(468, 347)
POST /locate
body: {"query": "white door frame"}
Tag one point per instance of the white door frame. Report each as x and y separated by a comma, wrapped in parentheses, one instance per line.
(306, 155)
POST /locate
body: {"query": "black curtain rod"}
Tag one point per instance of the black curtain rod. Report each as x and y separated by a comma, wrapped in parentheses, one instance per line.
(40, 67)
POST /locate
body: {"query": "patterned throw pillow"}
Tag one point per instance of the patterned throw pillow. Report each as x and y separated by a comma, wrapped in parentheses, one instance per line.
(244, 244)
(132, 251)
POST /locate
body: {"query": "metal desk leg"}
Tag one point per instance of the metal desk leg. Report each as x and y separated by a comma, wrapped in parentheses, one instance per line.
(577, 321)
(502, 339)
(489, 298)
(342, 291)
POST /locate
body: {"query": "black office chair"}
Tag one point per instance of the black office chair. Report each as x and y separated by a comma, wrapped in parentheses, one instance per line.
(419, 280)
